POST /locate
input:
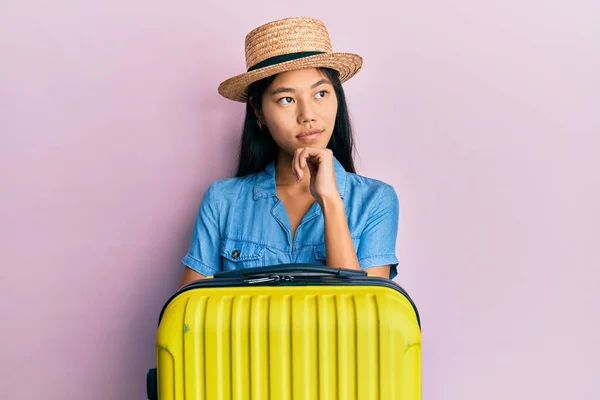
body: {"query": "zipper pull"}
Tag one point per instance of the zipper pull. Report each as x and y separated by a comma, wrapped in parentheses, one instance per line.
(272, 278)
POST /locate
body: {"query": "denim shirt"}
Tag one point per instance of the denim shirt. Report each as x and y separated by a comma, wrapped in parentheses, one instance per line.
(242, 223)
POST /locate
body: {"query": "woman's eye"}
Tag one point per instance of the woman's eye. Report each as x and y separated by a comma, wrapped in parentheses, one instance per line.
(321, 94)
(285, 100)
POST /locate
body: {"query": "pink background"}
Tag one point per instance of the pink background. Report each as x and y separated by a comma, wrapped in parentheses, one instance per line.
(484, 117)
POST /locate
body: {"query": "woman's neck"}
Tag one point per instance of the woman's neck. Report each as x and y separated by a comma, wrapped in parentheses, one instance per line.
(284, 175)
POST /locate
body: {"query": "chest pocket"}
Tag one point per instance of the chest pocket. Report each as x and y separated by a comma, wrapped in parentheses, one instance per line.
(239, 254)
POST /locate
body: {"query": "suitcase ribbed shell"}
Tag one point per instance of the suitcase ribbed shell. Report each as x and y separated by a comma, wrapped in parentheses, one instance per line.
(289, 342)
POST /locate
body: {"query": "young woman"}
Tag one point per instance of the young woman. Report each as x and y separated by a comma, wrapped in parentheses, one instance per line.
(296, 197)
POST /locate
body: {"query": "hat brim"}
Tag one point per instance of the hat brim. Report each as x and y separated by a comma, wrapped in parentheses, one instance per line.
(347, 64)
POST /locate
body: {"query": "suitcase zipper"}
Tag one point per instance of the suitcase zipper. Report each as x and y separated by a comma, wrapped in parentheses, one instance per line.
(272, 278)
(232, 282)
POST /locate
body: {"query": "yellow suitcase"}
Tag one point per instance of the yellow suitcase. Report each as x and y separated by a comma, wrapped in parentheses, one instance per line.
(291, 331)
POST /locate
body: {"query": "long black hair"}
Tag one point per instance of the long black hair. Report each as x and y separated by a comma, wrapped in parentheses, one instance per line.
(257, 147)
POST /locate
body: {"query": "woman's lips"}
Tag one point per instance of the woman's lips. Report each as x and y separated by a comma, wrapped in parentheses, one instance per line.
(309, 135)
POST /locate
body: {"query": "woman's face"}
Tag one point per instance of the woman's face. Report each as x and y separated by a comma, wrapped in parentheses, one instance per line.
(299, 108)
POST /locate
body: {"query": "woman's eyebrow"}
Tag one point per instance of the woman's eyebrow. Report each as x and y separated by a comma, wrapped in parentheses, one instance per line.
(322, 81)
(290, 90)
(282, 90)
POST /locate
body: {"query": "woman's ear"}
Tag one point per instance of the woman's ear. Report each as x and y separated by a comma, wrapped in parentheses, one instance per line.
(257, 112)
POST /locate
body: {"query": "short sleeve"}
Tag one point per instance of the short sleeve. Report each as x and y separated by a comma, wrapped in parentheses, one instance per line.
(378, 239)
(203, 252)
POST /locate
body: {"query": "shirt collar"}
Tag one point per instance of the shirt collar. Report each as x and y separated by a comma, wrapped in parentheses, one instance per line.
(265, 180)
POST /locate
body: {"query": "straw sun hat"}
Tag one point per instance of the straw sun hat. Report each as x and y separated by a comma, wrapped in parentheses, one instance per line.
(284, 45)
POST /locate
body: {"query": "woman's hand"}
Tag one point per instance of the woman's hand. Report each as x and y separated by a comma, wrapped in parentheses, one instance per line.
(323, 185)
(338, 243)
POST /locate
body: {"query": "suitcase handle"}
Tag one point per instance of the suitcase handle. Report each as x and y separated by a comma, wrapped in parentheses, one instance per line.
(293, 269)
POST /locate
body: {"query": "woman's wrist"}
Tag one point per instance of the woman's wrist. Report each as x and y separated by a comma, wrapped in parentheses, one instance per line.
(331, 203)
(338, 243)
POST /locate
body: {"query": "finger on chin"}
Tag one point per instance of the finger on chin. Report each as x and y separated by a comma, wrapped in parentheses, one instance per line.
(303, 157)
(297, 166)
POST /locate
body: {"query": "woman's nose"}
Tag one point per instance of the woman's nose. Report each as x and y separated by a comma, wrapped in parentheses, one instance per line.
(306, 113)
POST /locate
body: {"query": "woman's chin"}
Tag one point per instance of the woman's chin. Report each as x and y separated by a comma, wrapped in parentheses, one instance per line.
(291, 149)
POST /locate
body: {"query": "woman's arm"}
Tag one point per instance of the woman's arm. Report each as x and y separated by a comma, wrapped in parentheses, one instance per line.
(382, 271)
(189, 275)
(338, 242)
(202, 258)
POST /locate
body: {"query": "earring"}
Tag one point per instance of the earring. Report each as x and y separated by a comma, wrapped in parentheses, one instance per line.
(260, 125)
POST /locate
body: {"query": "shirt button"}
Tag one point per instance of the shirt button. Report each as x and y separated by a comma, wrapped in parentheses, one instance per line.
(235, 254)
